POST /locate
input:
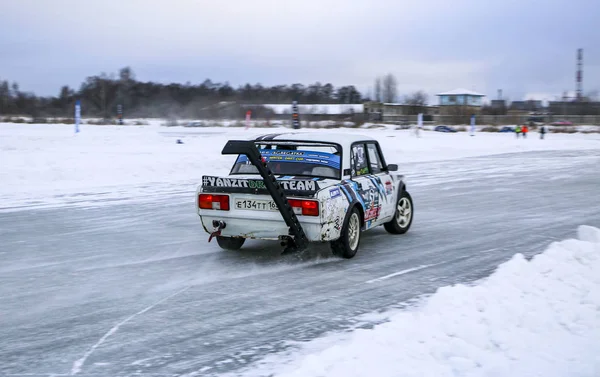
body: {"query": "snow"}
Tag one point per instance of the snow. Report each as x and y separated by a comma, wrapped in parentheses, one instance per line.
(317, 109)
(529, 318)
(44, 165)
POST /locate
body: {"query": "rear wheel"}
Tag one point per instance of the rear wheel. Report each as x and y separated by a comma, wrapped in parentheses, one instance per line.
(347, 245)
(403, 216)
(230, 243)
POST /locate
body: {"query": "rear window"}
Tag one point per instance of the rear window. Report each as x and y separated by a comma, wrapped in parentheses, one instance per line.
(294, 160)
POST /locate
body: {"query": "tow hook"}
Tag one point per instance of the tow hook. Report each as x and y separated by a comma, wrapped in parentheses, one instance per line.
(217, 227)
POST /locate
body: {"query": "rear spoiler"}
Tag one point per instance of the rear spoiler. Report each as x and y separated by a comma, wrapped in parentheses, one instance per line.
(297, 240)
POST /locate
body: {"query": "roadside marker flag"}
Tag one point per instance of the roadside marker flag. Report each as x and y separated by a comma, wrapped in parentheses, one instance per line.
(248, 115)
(419, 124)
(77, 115)
(295, 115)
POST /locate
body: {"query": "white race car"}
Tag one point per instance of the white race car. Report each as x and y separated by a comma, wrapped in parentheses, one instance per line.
(304, 187)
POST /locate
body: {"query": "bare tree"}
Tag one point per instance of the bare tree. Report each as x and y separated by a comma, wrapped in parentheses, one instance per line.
(378, 89)
(416, 102)
(5, 98)
(390, 88)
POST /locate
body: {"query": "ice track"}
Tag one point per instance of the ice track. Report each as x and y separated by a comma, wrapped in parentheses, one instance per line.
(130, 289)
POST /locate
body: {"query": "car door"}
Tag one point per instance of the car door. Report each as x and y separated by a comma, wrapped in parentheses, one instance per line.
(365, 185)
(383, 181)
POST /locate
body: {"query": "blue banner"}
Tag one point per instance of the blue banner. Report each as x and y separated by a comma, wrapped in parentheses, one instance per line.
(77, 115)
(307, 157)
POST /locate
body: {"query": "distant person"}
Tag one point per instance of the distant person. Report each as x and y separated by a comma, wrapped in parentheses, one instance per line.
(543, 131)
(518, 130)
(525, 130)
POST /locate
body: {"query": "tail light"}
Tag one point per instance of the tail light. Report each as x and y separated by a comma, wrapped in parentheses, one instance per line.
(305, 207)
(212, 201)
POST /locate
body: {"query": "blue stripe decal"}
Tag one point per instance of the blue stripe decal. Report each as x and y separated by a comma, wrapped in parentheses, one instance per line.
(346, 193)
(377, 183)
(297, 156)
(354, 187)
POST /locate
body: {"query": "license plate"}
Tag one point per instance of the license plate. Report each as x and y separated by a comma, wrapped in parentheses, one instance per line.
(256, 205)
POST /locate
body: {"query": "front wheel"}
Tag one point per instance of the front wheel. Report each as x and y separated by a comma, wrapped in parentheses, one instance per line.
(347, 245)
(230, 243)
(402, 217)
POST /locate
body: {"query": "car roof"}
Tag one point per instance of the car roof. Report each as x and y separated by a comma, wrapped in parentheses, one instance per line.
(345, 140)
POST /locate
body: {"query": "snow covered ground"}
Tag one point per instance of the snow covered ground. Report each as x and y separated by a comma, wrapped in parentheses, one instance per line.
(135, 289)
(48, 165)
(529, 318)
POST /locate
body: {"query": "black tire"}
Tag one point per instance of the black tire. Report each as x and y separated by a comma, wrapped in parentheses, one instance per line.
(230, 243)
(400, 223)
(346, 246)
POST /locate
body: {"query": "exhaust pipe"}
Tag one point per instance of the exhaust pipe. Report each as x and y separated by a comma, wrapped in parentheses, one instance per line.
(218, 224)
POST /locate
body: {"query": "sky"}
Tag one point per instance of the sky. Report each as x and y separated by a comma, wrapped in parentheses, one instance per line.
(527, 48)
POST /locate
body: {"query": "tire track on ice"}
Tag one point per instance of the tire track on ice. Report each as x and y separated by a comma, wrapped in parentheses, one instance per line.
(78, 364)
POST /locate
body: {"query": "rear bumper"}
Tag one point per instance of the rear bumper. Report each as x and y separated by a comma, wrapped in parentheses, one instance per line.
(257, 225)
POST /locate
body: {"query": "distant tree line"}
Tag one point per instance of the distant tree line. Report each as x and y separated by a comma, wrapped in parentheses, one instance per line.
(100, 95)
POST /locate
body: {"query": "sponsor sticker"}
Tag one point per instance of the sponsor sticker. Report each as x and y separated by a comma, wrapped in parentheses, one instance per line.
(335, 192)
(372, 213)
(389, 188)
(338, 223)
(312, 157)
(304, 185)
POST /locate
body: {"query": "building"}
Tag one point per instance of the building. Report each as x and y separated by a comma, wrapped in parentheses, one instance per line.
(397, 112)
(529, 105)
(461, 97)
(570, 108)
(498, 104)
(496, 107)
(460, 101)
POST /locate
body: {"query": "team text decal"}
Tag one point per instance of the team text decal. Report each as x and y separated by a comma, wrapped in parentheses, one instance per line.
(257, 184)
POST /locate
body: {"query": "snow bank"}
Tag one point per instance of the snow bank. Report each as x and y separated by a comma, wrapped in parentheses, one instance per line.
(529, 318)
(48, 165)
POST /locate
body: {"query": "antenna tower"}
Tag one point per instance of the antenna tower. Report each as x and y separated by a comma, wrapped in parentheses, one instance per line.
(579, 82)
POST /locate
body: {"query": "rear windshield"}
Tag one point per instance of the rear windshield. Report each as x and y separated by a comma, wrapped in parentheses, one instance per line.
(294, 160)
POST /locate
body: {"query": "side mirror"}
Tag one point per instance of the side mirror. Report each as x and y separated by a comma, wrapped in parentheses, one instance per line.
(392, 167)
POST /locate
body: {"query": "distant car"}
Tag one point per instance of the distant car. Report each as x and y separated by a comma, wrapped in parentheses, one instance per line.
(195, 124)
(507, 129)
(304, 187)
(562, 123)
(444, 129)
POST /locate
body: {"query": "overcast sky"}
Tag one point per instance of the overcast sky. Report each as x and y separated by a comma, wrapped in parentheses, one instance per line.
(525, 47)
